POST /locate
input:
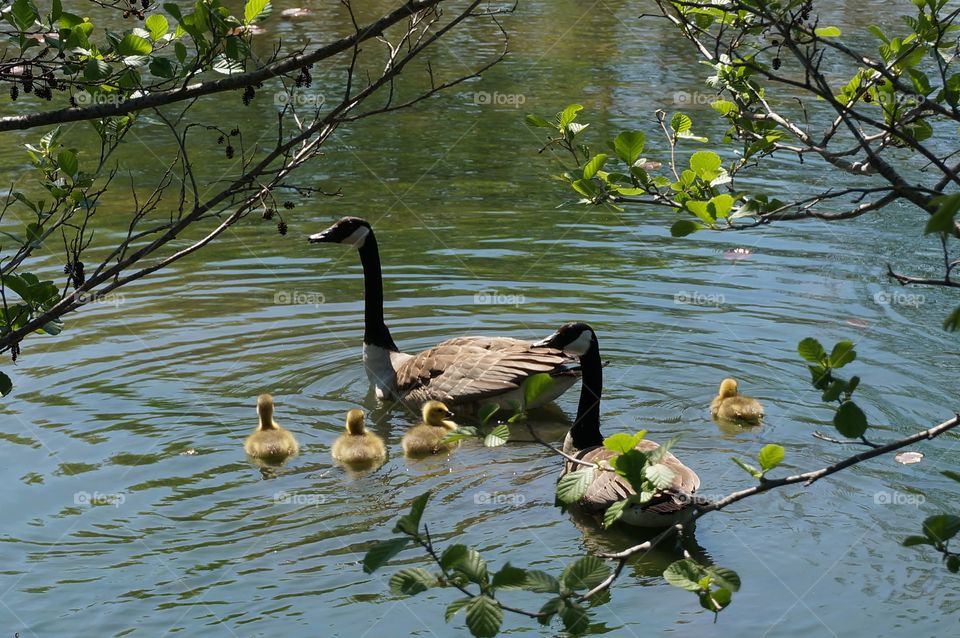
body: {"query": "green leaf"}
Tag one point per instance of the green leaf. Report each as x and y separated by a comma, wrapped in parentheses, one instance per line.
(614, 512)
(833, 392)
(724, 107)
(811, 350)
(487, 411)
(473, 566)
(842, 354)
(134, 45)
(6, 385)
(622, 443)
(452, 555)
(952, 322)
(585, 573)
(509, 576)
(660, 475)
(701, 210)
(705, 164)
(720, 205)
(412, 580)
(629, 145)
(941, 528)
(382, 552)
(162, 68)
(850, 420)
(181, 51)
(568, 115)
(549, 608)
(484, 617)
(67, 161)
(724, 577)
(952, 475)
(942, 220)
(680, 123)
(715, 599)
(953, 563)
(828, 32)
(770, 456)
(574, 617)
(585, 187)
(684, 227)
(410, 523)
(541, 582)
(157, 26)
(631, 465)
(911, 541)
(536, 120)
(572, 486)
(594, 165)
(253, 9)
(746, 467)
(685, 574)
(499, 436)
(535, 387)
(455, 607)
(23, 14)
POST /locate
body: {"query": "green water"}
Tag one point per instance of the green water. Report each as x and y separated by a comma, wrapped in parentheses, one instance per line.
(200, 544)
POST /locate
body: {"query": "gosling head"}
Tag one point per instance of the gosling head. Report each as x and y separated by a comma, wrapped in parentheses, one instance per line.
(352, 231)
(435, 413)
(355, 422)
(575, 338)
(728, 388)
(265, 411)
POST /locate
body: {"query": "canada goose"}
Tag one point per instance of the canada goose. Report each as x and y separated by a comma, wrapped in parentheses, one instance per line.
(735, 407)
(585, 442)
(357, 445)
(464, 370)
(427, 436)
(269, 442)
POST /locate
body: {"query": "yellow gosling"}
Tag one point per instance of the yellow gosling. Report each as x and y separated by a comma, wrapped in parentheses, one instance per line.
(357, 446)
(270, 442)
(427, 437)
(730, 405)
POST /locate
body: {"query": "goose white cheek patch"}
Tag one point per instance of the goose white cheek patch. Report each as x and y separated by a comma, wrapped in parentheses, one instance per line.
(581, 344)
(357, 237)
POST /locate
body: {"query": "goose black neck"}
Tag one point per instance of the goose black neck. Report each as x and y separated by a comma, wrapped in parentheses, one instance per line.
(586, 430)
(375, 331)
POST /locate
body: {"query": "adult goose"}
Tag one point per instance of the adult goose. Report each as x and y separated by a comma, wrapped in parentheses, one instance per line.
(585, 443)
(464, 370)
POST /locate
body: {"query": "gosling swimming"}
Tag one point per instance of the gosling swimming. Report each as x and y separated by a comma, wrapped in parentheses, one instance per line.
(427, 437)
(270, 442)
(357, 446)
(735, 407)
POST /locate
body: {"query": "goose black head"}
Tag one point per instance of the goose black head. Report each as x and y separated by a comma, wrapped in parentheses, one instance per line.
(352, 231)
(573, 338)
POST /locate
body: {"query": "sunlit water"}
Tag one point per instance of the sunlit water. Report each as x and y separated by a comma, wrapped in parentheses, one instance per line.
(474, 240)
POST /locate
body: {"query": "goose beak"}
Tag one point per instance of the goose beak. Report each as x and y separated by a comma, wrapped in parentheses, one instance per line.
(449, 413)
(320, 237)
(545, 343)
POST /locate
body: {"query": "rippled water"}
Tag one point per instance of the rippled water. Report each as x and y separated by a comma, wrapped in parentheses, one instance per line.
(201, 543)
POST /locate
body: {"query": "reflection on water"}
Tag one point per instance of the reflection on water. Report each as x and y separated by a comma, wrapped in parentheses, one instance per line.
(133, 511)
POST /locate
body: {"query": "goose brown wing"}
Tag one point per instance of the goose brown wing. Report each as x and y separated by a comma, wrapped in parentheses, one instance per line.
(468, 369)
(608, 487)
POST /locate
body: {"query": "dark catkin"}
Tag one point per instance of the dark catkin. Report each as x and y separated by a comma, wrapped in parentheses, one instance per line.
(229, 151)
(14, 352)
(269, 213)
(867, 98)
(234, 132)
(27, 81)
(282, 228)
(73, 101)
(220, 140)
(776, 63)
(248, 94)
(145, 4)
(14, 92)
(79, 278)
(288, 204)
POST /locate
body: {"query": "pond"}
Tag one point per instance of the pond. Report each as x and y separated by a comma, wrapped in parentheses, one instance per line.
(475, 239)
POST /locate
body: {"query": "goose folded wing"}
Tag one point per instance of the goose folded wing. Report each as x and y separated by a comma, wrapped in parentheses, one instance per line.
(472, 368)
